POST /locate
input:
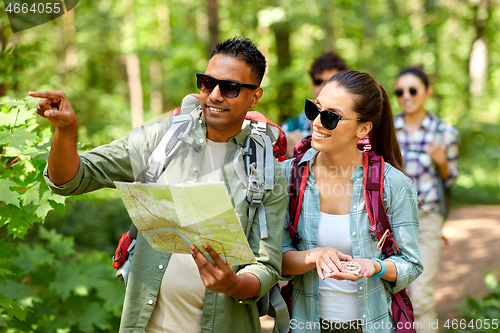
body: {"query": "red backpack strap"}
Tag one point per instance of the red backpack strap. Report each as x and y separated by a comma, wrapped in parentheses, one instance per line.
(298, 182)
(302, 147)
(373, 191)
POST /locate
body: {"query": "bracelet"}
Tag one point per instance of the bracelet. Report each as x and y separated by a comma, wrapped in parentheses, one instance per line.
(382, 271)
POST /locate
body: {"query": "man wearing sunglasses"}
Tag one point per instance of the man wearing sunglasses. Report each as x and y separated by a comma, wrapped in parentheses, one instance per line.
(185, 292)
(323, 67)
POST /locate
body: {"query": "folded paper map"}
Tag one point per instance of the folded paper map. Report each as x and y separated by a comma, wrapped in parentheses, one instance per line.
(171, 217)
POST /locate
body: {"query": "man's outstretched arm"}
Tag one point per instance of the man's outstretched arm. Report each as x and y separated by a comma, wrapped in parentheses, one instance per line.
(63, 158)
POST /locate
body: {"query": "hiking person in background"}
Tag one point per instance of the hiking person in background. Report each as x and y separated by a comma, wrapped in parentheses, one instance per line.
(182, 292)
(323, 67)
(326, 297)
(430, 154)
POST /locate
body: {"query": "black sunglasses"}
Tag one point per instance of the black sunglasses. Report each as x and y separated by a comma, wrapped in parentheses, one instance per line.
(399, 92)
(329, 119)
(318, 82)
(227, 88)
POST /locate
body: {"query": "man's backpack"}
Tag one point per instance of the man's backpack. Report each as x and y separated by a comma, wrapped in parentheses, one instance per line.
(265, 142)
(373, 188)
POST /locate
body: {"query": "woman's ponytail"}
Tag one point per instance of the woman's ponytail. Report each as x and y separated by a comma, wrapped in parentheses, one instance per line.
(383, 137)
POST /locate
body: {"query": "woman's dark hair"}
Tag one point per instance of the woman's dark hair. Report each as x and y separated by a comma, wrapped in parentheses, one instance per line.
(243, 49)
(418, 71)
(372, 104)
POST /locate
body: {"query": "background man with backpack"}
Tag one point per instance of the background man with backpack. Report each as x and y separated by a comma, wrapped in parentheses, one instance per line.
(176, 292)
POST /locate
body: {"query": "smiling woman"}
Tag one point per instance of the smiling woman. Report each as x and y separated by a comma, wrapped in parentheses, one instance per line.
(350, 106)
(430, 152)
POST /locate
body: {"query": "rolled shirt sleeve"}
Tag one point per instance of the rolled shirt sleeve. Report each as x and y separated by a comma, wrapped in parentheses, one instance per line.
(403, 214)
(99, 168)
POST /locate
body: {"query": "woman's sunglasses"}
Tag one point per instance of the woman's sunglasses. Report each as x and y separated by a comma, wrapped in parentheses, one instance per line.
(227, 88)
(399, 92)
(329, 119)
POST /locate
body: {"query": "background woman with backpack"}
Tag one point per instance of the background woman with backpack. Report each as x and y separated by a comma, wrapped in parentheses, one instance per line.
(430, 153)
(334, 224)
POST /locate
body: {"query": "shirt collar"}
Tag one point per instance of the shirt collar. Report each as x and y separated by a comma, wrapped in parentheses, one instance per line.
(238, 138)
(399, 122)
(427, 121)
(311, 154)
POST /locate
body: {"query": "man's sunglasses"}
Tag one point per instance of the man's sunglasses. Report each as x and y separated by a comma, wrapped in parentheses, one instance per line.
(318, 82)
(329, 119)
(399, 92)
(227, 88)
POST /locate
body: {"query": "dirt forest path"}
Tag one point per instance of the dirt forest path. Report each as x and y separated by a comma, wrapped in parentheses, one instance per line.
(473, 235)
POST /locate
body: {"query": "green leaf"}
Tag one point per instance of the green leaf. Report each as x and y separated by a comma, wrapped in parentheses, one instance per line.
(17, 138)
(19, 227)
(4, 134)
(12, 308)
(62, 246)
(31, 196)
(43, 208)
(67, 279)
(6, 248)
(16, 117)
(13, 103)
(112, 292)
(30, 259)
(93, 314)
(4, 271)
(31, 102)
(7, 195)
(54, 197)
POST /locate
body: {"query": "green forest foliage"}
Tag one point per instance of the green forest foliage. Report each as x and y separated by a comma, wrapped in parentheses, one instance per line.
(45, 284)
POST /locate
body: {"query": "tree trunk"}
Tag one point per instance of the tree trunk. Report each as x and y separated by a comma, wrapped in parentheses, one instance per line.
(328, 8)
(156, 96)
(71, 60)
(132, 65)
(213, 24)
(285, 86)
(367, 46)
(135, 87)
(3, 46)
(431, 31)
(478, 59)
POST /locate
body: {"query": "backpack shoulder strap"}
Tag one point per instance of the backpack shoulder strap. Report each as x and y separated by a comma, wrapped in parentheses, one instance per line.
(373, 190)
(298, 181)
(272, 130)
(259, 166)
(177, 134)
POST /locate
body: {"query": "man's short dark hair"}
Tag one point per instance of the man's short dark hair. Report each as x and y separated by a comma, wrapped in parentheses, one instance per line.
(327, 61)
(243, 49)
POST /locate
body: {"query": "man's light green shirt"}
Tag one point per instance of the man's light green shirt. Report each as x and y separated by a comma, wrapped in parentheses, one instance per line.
(123, 160)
